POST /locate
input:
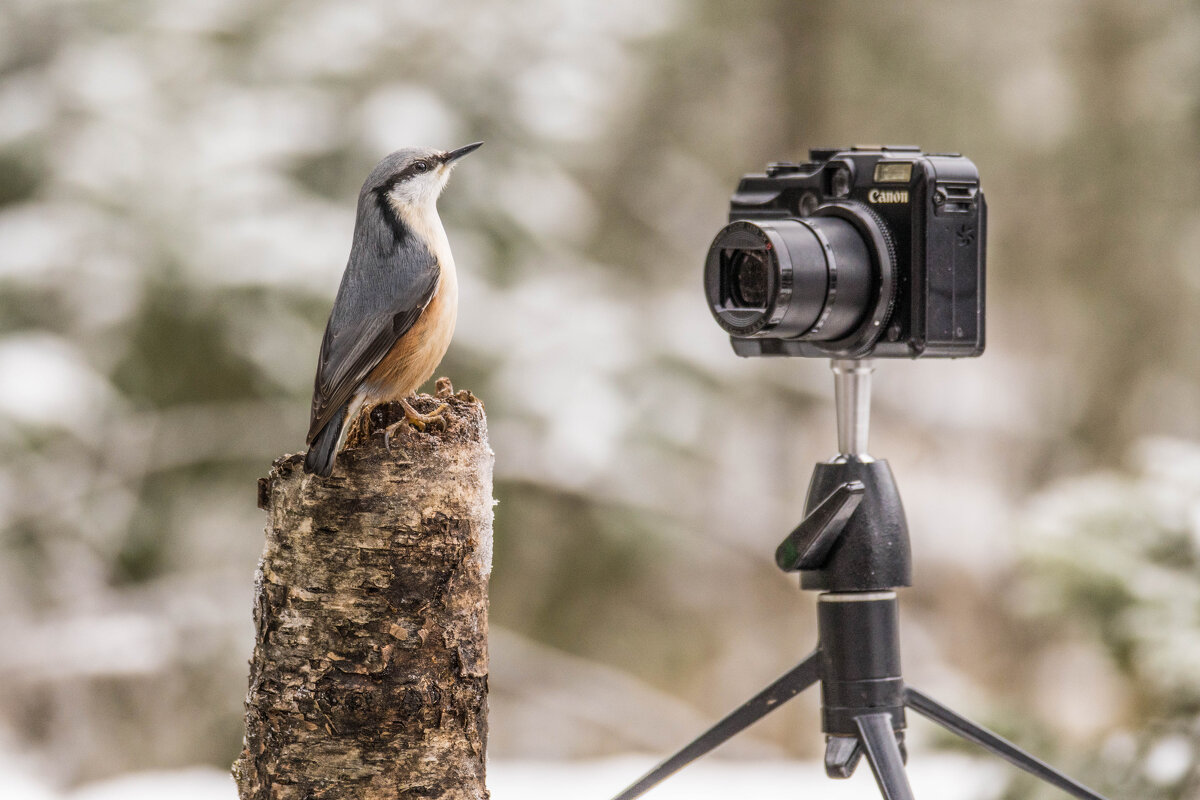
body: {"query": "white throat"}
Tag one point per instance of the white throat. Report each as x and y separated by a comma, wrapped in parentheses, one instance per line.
(415, 203)
(424, 223)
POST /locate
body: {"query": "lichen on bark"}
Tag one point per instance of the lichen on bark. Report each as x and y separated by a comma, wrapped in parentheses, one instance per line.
(369, 673)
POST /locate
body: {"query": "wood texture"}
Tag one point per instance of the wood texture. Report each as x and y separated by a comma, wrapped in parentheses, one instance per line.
(369, 673)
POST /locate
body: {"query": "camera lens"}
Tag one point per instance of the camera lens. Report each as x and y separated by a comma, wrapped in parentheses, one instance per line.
(816, 278)
(748, 277)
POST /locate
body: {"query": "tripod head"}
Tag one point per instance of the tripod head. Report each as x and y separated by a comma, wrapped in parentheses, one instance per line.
(840, 547)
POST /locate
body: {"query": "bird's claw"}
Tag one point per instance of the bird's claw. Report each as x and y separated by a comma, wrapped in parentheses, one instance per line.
(417, 420)
(387, 434)
(421, 421)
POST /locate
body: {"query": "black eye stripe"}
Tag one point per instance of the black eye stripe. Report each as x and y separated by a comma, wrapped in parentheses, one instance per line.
(419, 167)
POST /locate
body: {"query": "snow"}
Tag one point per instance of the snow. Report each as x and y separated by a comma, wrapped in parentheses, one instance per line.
(933, 777)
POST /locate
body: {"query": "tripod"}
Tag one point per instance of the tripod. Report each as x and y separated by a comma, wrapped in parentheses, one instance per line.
(852, 546)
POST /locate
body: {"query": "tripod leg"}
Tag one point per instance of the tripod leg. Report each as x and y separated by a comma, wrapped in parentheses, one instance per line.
(790, 684)
(957, 724)
(883, 754)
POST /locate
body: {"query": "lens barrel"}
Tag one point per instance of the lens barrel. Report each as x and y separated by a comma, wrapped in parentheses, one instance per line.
(820, 278)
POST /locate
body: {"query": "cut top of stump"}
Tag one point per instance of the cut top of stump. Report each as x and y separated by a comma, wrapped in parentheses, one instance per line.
(365, 450)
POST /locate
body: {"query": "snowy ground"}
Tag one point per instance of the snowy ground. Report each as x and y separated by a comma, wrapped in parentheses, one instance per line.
(934, 777)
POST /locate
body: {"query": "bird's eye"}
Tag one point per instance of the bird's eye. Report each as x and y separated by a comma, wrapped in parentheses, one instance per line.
(421, 166)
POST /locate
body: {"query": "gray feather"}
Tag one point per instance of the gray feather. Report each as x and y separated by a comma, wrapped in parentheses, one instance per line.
(323, 450)
(389, 280)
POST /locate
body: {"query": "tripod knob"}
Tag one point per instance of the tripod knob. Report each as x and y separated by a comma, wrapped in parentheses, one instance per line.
(808, 546)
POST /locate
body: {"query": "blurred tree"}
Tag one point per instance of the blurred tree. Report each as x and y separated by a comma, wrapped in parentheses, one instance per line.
(1113, 559)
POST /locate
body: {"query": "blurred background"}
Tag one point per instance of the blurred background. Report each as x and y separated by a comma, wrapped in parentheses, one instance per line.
(177, 188)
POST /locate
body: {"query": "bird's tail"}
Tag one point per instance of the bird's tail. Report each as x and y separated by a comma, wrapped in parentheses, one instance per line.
(325, 445)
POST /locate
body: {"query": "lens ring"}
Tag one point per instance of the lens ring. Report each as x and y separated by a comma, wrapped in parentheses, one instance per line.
(831, 288)
(875, 230)
(729, 309)
(782, 275)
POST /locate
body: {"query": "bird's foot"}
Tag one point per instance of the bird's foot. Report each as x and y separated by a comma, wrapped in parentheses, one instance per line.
(417, 420)
(421, 421)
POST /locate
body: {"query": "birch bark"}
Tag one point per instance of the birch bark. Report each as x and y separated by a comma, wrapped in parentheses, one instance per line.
(369, 673)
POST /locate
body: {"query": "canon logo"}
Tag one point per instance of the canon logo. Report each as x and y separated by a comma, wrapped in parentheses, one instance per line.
(888, 195)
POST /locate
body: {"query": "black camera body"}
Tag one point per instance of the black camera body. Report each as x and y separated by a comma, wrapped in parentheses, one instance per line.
(862, 252)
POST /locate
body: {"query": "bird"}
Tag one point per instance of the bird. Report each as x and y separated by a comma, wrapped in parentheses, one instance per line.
(396, 307)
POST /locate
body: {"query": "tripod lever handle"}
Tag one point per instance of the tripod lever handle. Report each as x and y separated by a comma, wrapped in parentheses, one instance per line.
(809, 544)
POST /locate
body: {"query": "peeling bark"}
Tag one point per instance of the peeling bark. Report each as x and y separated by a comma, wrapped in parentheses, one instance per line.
(369, 673)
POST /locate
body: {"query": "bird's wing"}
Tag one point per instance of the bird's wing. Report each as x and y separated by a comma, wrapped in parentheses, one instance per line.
(382, 295)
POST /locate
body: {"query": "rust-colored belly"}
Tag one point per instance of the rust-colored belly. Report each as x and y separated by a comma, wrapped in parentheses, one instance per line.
(416, 355)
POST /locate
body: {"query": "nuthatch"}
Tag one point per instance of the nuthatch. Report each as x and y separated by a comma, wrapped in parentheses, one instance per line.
(395, 309)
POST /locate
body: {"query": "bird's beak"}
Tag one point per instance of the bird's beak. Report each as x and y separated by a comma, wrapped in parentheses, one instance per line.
(454, 155)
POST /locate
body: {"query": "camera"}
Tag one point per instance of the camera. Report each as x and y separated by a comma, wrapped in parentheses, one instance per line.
(866, 251)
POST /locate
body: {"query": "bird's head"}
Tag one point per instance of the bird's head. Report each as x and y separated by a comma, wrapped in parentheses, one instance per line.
(413, 178)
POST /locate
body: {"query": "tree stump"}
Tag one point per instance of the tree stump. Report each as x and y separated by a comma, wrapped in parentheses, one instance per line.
(369, 673)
